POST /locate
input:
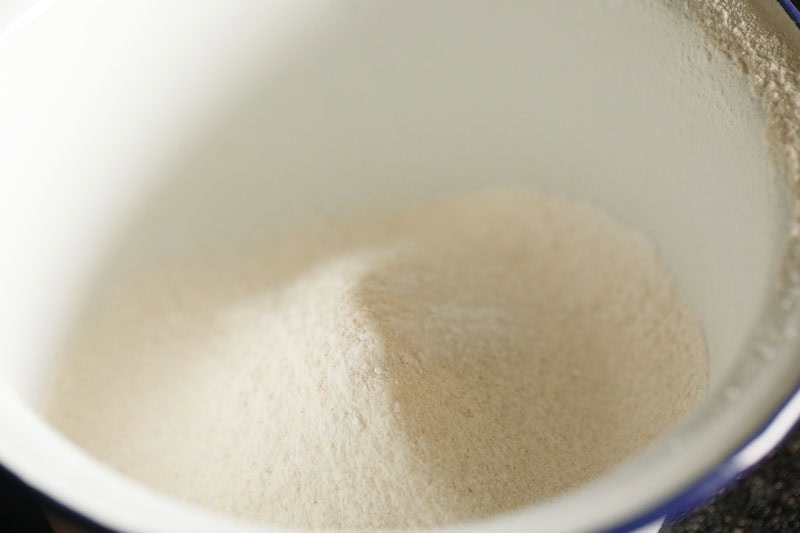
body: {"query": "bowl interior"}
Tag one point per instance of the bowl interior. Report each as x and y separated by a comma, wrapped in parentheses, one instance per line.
(253, 119)
(372, 114)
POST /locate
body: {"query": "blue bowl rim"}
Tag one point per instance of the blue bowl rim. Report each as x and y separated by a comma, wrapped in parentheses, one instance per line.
(747, 455)
(792, 10)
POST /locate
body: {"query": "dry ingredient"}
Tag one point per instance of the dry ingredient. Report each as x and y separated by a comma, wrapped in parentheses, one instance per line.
(437, 365)
(740, 32)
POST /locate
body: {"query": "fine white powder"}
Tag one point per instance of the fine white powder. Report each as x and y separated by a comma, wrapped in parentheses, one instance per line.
(442, 364)
(741, 32)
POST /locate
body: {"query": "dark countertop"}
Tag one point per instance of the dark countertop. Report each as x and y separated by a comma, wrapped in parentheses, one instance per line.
(766, 500)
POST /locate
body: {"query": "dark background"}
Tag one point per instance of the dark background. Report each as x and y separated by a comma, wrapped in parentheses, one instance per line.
(766, 500)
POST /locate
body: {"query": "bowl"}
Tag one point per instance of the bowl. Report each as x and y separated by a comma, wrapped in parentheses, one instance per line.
(130, 133)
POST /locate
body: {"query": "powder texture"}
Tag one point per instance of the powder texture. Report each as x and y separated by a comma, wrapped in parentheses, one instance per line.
(742, 33)
(437, 365)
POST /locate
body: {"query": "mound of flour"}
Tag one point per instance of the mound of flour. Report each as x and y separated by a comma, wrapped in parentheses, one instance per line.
(437, 365)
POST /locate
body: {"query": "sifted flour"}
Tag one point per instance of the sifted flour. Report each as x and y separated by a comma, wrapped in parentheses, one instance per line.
(442, 364)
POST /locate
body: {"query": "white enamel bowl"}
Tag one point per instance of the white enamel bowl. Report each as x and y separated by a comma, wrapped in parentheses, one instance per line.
(129, 131)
